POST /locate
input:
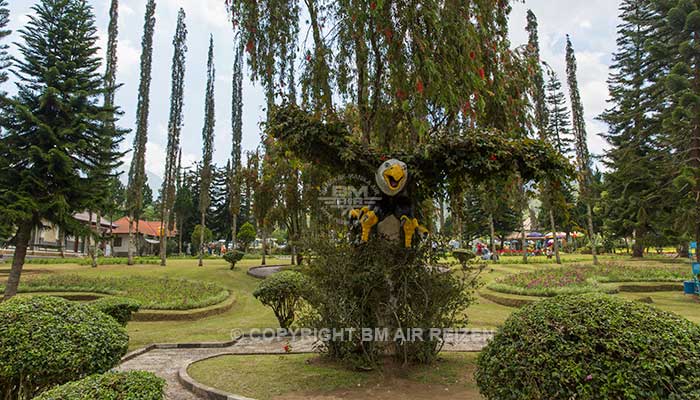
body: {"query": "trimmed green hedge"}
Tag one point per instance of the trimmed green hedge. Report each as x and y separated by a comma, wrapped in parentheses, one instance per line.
(234, 256)
(119, 308)
(132, 385)
(45, 341)
(592, 346)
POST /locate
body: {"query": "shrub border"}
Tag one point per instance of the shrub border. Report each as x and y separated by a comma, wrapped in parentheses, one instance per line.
(150, 315)
(508, 301)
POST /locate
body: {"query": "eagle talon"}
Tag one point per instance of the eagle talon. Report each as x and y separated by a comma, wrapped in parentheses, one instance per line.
(367, 220)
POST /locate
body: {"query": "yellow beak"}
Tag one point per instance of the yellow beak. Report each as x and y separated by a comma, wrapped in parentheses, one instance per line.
(394, 176)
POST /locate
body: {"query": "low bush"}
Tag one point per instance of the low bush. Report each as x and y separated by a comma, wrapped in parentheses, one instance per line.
(152, 293)
(45, 341)
(119, 308)
(591, 346)
(584, 279)
(132, 385)
(283, 292)
(233, 256)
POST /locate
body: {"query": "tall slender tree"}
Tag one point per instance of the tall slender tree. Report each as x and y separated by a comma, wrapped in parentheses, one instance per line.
(49, 162)
(235, 180)
(4, 32)
(583, 157)
(207, 144)
(137, 170)
(559, 127)
(174, 129)
(675, 45)
(538, 90)
(633, 184)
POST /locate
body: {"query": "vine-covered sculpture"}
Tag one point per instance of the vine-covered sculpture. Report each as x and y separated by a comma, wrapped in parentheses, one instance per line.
(394, 215)
(413, 175)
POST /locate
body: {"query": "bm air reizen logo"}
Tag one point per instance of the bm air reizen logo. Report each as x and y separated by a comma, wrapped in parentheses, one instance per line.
(346, 192)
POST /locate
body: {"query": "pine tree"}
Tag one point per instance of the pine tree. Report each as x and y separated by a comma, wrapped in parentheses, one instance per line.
(137, 171)
(583, 158)
(48, 156)
(632, 185)
(538, 91)
(174, 129)
(235, 180)
(207, 143)
(559, 117)
(4, 32)
(677, 35)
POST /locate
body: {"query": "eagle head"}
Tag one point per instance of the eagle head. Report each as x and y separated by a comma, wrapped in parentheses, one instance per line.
(391, 177)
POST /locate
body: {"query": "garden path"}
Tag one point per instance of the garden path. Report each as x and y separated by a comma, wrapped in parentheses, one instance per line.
(166, 360)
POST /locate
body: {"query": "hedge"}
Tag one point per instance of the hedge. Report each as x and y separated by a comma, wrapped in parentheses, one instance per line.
(132, 385)
(45, 341)
(592, 346)
(119, 308)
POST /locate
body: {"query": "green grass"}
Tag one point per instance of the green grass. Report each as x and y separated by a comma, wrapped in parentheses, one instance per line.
(153, 293)
(307, 376)
(248, 313)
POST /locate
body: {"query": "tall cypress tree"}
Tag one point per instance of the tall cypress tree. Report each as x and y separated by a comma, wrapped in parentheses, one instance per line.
(583, 157)
(137, 171)
(174, 129)
(4, 32)
(207, 143)
(538, 92)
(48, 156)
(237, 136)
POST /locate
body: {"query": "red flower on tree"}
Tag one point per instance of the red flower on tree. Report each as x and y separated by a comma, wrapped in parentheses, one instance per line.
(419, 86)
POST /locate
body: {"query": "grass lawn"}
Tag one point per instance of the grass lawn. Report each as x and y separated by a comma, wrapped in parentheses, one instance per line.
(248, 313)
(306, 376)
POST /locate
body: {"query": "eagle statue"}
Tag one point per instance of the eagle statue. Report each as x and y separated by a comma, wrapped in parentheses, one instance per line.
(407, 178)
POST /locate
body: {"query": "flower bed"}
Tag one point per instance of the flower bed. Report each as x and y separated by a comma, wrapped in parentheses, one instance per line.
(584, 279)
(152, 293)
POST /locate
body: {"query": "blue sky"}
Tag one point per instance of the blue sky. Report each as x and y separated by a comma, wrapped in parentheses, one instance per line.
(592, 25)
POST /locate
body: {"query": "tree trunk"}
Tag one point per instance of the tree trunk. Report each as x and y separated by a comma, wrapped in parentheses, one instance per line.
(98, 221)
(492, 233)
(591, 233)
(111, 235)
(179, 244)
(556, 238)
(163, 238)
(130, 246)
(234, 229)
(61, 243)
(24, 232)
(201, 239)
(683, 250)
(523, 241)
(264, 246)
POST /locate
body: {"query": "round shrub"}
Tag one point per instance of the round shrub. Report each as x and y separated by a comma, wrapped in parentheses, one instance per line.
(45, 341)
(234, 256)
(132, 385)
(282, 292)
(592, 346)
(119, 308)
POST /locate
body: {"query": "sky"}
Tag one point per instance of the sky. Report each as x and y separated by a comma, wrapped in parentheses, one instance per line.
(591, 24)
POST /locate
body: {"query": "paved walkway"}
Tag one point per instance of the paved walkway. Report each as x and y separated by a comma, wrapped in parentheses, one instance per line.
(166, 362)
(265, 271)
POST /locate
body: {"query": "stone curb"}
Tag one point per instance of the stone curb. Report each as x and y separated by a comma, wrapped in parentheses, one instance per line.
(201, 390)
(185, 315)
